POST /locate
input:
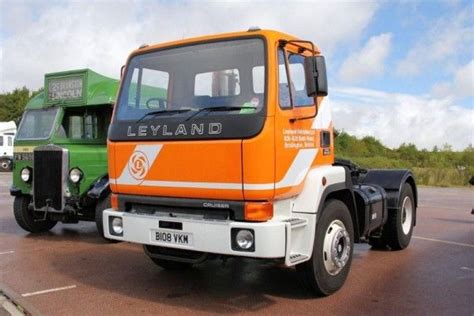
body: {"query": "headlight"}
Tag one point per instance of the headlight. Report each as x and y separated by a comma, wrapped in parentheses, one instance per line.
(244, 239)
(25, 174)
(75, 175)
(117, 226)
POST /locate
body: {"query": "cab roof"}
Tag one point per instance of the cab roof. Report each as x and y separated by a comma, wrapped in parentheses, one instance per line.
(97, 89)
(270, 35)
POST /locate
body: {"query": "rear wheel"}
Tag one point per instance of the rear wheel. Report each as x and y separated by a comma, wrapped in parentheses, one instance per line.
(327, 270)
(30, 220)
(400, 223)
(397, 231)
(5, 165)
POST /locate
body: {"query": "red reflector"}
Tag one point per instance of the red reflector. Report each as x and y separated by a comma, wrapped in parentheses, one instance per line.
(114, 201)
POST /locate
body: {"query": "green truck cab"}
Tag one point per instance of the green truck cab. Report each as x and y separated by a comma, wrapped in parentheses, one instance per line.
(60, 152)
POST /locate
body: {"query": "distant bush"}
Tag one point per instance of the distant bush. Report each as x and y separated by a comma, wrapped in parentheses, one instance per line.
(438, 167)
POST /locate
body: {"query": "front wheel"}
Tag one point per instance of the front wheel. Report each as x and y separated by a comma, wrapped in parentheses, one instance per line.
(30, 220)
(327, 270)
(5, 165)
(102, 204)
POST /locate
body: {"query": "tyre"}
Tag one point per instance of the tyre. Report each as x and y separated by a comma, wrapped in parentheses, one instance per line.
(327, 270)
(171, 265)
(399, 226)
(5, 165)
(102, 204)
(29, 220)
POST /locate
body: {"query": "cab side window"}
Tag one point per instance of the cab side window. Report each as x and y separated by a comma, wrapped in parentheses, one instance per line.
(298, 81)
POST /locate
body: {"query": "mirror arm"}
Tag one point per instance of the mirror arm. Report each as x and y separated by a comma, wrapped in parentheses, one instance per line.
(283, 43)
(288, 76)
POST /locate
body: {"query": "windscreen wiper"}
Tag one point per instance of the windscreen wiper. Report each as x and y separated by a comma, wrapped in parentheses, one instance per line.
(219, 109)
(156, 113)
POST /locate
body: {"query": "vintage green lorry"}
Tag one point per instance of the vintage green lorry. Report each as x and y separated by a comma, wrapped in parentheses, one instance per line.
(60, 152)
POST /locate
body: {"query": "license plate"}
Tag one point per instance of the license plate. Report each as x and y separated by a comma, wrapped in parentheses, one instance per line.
(175, 238)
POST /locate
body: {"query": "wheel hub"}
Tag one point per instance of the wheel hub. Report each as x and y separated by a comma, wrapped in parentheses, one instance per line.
(337, 247)
(407, 215)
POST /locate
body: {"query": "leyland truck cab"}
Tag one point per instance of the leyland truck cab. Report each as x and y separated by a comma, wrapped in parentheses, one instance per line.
(236, 159)
(60, 154)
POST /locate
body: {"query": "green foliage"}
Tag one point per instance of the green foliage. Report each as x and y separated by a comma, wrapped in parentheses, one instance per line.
(440, 167)
(13, 103)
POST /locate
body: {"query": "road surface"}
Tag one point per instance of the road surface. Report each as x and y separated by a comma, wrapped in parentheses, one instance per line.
(71, 270)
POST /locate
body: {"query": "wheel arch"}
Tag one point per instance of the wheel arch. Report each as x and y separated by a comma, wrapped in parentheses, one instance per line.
(344, 193)
(99, 188)
(393, 181)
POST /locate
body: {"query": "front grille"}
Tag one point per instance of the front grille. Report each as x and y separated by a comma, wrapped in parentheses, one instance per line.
(182, 207)
(49, 168)
(185, 212)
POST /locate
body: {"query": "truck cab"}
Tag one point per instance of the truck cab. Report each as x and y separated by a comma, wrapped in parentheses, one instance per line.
(7, 135)
(60, 154)
(235, 158)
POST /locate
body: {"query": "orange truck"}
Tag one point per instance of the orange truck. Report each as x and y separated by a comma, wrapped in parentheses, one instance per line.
(234, 157)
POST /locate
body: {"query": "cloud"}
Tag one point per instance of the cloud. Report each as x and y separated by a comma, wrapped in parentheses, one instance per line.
(100, 35)
(461, 86)
(367, 62)
(464, 80)
(402, 118)
(445, 39)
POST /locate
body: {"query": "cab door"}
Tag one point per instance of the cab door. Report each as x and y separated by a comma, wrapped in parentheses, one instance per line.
(296, 139)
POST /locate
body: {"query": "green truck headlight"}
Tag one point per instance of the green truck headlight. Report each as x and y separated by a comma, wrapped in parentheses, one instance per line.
(25, 174)
(75, 175)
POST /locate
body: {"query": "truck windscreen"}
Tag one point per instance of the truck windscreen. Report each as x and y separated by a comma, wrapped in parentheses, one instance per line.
(186, 79)
(37, 124)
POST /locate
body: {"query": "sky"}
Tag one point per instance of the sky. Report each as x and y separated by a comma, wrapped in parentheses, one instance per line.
(401, 71)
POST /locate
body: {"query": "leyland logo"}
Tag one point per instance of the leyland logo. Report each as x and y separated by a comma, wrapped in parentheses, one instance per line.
(138, 165)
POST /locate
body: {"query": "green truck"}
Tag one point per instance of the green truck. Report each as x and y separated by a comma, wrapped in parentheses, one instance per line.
(60, 152)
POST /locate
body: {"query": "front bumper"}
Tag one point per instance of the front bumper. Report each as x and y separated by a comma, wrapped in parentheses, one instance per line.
(211, 236)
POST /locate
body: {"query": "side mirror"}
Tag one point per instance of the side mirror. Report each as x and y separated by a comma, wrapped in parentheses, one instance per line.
(315, 75)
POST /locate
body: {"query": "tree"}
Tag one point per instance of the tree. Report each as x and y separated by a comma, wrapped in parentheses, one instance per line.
(13, 103)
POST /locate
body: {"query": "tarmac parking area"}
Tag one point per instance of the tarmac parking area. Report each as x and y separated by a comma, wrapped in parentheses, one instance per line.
(72, 270)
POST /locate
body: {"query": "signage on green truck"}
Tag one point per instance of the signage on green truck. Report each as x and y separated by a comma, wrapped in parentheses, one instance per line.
(60, 151)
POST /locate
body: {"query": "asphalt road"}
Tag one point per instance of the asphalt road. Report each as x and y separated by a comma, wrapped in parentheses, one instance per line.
(71, 270)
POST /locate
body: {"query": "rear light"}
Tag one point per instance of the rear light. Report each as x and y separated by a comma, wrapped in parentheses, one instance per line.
(114, 201)
(258, 211)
